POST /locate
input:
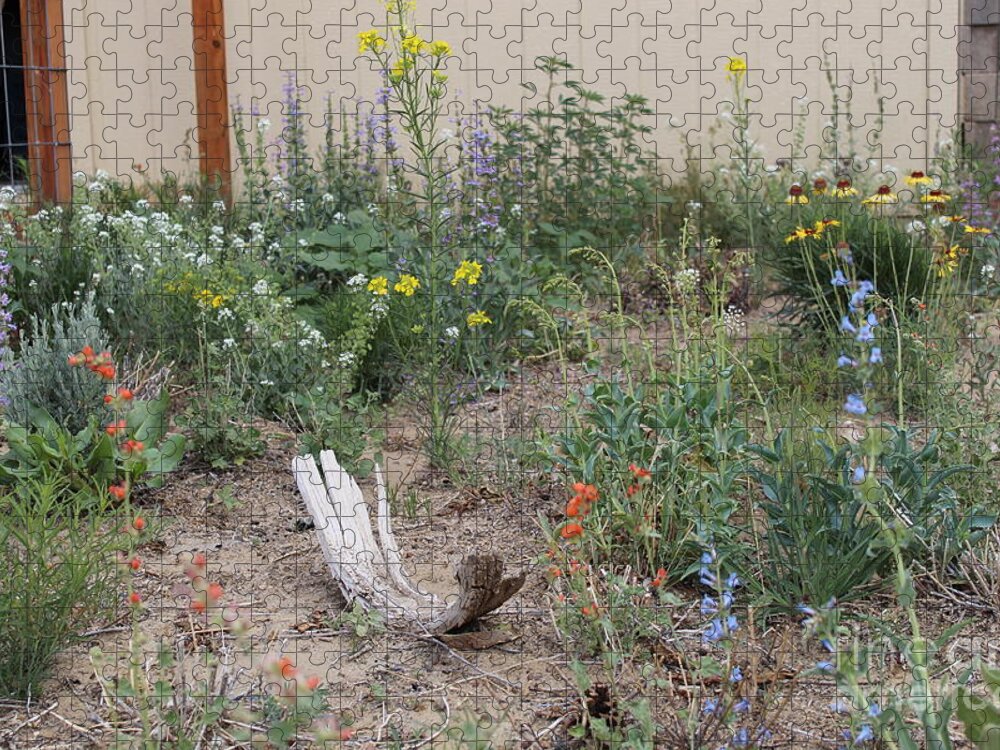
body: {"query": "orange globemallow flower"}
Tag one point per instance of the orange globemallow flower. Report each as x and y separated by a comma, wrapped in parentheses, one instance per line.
(587, 491)
(135, 599)
(661, 576)
(576, 507)
(132, 447)
(312, 681)
(117, 491)
(115, 427)
(639, 472)
(571, 530)
(286, 668)
(139, 523)
(135, 563)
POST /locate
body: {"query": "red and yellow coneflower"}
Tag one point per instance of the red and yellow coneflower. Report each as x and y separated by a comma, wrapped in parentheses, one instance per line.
(883, 196)
(796, 196)
(844, 189)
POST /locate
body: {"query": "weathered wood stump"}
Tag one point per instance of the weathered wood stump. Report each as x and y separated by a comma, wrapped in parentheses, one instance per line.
(372, 572)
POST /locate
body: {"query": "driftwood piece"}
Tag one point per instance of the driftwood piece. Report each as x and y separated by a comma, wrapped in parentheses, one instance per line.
(372, 572)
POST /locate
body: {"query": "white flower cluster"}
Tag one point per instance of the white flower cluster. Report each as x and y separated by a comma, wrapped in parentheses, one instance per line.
(686, 281)
(734, 321)
(379, 309)
(310, 337)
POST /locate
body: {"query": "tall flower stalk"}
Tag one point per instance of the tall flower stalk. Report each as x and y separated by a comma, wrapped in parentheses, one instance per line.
(737, 69)
(413, 68)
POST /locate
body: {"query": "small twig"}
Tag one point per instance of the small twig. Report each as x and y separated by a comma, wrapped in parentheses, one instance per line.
(452, 652)
(71, 725)
(444, 726)
(293, 553)
(552, 727)
(102, 631)
(30, 720)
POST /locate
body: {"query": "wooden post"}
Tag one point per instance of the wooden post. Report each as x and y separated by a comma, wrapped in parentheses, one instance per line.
(979, 71)
(211, 93)
(46, 100)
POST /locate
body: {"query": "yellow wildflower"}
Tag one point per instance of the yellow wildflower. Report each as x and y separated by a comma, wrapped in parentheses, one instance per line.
(796, 196)
(969, 229)
(407, 285)
(370, 40)
(440, 48)
(826, 223)
(468, 271)
(413, 44)
(379, 285)
(802, 233)
(208, 298)
(918, 178)
(947, 260)
(882, 197)
(956, 219)
(935, 196)
(737, 66)
(478, 318)
(438, 76)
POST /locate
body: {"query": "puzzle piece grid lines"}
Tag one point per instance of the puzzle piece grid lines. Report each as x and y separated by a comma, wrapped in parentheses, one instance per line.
(581, 614)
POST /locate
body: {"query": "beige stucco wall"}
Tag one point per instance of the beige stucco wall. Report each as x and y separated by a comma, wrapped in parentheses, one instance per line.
(132, 88)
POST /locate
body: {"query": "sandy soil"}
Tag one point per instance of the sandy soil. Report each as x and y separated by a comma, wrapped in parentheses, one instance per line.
(396, 687)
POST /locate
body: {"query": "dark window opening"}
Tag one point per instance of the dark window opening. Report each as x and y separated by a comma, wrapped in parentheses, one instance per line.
(13, 113)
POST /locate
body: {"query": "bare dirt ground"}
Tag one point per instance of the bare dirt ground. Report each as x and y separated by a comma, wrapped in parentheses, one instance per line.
(405, 689)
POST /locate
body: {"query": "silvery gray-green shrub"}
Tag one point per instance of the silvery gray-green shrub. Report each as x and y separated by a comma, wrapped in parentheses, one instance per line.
(40, 377)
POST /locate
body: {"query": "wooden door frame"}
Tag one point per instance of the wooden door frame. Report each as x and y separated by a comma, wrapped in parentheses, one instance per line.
(46, 98)
(212, 95)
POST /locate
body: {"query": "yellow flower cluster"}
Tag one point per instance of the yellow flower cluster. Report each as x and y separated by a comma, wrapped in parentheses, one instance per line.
(440, 48)
(379, 285)
(737, 66)
(370, 40)
(468, 271)
(407, 285)
(478, 318)
(208, 298)
(413, 44)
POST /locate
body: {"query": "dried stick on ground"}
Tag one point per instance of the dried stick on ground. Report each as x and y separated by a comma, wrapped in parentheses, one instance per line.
(372, 572)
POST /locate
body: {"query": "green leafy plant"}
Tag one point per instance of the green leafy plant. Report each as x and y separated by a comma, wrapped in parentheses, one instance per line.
(980, 716)
(818, 539)
(92, 459)
(57, 576)
(40, 378)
